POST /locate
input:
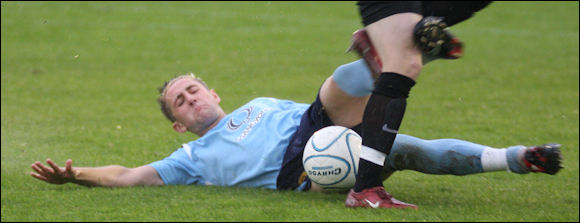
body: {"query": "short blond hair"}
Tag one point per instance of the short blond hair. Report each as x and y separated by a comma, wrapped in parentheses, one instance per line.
(165, 107)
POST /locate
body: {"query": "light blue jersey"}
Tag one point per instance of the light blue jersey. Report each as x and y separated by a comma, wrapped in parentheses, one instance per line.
(245, 149)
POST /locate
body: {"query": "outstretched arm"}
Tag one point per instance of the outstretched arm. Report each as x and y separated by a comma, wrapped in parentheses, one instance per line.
(107, 176)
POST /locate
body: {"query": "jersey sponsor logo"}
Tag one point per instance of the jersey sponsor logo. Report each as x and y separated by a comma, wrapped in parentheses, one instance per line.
(233, 126)
(251, 125)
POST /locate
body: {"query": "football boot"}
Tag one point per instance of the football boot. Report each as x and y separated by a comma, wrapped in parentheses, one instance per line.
(434, 39)
(375, 197)
(546, 158)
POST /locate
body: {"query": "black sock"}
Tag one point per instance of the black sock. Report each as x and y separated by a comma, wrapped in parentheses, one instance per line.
(382, 117)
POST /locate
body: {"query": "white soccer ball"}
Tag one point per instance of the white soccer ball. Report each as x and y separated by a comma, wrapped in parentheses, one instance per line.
(331, 157)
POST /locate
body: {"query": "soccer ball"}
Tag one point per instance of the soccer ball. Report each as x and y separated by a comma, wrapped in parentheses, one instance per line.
(331, 157)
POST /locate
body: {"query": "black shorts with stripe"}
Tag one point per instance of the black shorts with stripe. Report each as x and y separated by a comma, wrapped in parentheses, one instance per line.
(292, 174)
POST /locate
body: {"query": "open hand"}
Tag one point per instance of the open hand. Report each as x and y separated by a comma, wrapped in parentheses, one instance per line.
(54, 174)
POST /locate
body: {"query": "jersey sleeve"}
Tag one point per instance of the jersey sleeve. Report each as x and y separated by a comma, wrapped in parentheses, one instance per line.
(178, 168)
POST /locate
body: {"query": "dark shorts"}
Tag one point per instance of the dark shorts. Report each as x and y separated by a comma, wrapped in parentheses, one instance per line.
(452, 11)
(292, 174)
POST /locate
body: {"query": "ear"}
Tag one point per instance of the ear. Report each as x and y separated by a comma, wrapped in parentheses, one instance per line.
(178, 127)
(215, 95)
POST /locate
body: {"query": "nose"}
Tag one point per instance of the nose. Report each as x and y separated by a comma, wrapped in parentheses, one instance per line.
(191, 99)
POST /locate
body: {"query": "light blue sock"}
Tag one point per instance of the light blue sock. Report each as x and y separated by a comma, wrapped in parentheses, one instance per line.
(513, 161)
(443, 156)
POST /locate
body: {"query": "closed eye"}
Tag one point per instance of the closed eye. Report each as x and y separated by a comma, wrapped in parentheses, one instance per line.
(179, 100)
(192, 89)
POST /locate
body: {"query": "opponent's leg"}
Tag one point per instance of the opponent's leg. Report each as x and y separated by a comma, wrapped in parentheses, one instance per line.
(385, 109)
(390, 28)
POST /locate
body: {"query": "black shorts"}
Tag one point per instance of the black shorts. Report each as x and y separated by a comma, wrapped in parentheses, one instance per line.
(452, 11)
(292, 174)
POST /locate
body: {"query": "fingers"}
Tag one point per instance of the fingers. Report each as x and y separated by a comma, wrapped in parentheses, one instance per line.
(35, 167)
(53, 174)
(40, 177)
(55, 167)
(41, 169)
(68, 167)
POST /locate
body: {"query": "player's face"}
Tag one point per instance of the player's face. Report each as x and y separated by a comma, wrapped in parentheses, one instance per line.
(193, 105)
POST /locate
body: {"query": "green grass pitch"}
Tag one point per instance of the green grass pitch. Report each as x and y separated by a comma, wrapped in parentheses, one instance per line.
(79, 81)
